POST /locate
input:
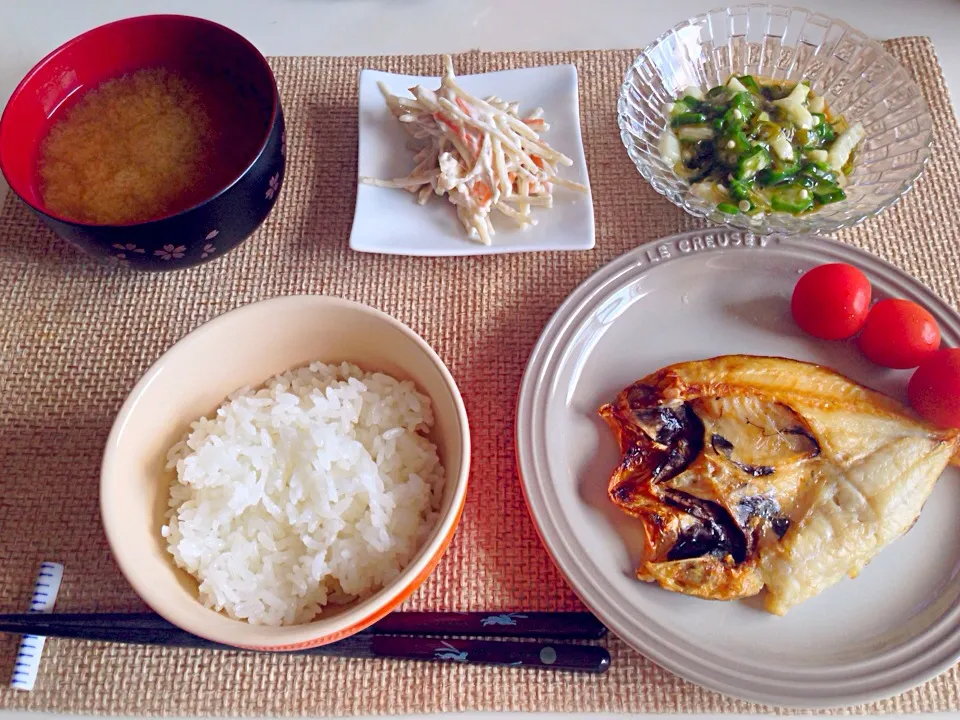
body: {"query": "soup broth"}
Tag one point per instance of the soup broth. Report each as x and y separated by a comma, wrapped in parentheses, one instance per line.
(143, 146)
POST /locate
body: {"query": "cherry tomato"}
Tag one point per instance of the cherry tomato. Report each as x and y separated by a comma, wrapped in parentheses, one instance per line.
(831, 301)
(899, 334)
(934, 389)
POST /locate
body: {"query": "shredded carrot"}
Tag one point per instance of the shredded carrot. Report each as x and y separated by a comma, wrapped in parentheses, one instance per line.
(481, 192)
(537, 161)
(440, 117)
(458, 130)
(463, 106)
(535, 122)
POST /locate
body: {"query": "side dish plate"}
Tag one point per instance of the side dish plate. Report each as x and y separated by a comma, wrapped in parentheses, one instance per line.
(693, 296)
(390, 221)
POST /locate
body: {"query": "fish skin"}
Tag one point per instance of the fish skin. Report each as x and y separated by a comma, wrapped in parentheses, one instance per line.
(841, 470)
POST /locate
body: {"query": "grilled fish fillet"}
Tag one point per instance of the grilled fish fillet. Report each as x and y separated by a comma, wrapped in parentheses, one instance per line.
(758, 472)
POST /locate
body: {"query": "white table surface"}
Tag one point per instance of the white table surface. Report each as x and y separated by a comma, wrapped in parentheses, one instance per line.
(31, 28)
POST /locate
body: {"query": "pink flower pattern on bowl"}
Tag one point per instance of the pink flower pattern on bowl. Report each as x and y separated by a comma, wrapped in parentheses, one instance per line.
(171, 252)
(274, 186)
(126, 248)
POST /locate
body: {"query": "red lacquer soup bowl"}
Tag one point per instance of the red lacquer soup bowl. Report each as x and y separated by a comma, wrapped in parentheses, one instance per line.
(242, 176)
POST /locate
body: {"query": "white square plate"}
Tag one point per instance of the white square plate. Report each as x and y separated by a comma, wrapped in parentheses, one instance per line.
(390, 221)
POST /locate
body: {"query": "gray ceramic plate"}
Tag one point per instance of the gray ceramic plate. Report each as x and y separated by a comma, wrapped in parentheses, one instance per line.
(698, 295)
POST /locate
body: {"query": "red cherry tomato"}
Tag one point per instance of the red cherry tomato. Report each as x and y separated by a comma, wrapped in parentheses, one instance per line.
(934, 389)
(831, 301)
(899, 334)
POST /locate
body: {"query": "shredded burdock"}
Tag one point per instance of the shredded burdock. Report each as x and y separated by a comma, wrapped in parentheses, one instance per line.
(482, 154)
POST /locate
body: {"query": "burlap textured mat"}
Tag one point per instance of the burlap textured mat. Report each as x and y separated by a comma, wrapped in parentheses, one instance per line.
(75, 336)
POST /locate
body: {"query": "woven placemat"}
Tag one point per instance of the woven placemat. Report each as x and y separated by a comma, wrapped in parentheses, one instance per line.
(75, 336)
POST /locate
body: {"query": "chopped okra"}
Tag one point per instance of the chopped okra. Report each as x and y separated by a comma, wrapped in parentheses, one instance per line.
(756, 146)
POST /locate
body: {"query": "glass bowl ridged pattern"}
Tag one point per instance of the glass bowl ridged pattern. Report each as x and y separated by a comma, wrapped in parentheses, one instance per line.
(855, 74)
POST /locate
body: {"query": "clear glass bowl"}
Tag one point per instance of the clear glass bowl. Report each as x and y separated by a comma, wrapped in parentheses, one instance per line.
(855, 74)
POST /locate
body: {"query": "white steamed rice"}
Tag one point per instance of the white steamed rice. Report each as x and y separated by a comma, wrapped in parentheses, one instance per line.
(317, 488)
